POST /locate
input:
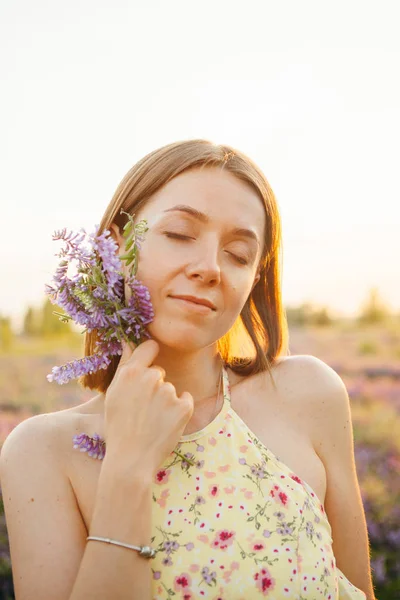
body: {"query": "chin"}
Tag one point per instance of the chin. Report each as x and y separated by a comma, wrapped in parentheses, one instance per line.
(182, 337)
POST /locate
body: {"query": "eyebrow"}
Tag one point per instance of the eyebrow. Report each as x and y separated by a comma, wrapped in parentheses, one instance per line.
(203, 218)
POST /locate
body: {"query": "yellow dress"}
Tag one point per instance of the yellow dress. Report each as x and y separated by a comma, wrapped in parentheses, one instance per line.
(239, 524)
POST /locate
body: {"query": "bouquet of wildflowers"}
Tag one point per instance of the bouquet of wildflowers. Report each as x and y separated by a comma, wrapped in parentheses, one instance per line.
(93, 297)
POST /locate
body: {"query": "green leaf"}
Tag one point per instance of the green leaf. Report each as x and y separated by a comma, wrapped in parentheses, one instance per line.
(129, 244)
(63, 317)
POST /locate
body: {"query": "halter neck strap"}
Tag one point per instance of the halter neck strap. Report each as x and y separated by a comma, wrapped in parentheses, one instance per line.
(226, 388)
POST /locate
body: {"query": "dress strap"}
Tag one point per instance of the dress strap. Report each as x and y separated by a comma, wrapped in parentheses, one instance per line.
(226, 388)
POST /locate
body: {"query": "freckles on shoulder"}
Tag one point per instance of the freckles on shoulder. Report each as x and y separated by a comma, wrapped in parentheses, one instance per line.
(311, 389)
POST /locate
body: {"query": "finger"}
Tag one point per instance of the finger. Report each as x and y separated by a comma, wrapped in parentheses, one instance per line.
(188, 399)
(160, 369)
(127, 351)
(145, 353)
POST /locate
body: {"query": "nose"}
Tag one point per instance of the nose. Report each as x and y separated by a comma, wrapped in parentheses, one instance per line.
(204, 264)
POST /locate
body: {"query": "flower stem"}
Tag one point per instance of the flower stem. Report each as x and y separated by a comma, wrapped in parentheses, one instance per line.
(188, 460)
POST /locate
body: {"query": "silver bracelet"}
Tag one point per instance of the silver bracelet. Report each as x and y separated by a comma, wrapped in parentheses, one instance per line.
(145, 551)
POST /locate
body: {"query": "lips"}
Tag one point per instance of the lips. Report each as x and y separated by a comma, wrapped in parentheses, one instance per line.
(196, 300)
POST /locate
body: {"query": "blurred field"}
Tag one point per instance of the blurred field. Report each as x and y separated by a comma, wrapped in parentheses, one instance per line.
(367, 359)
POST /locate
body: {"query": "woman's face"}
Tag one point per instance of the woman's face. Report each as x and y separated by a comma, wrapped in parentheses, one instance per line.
(196, 246)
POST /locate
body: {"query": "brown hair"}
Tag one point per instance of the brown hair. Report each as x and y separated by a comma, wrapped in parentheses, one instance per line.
(261, 328)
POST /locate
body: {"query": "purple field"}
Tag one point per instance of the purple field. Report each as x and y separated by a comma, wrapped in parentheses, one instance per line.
(368, 360)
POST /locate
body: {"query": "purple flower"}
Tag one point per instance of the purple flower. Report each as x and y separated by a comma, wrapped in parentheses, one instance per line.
(111, 265)
(287, 530)
(394, 537)
(139, 303)
(170, 546)
(207, 576)
(94, 446)
(266, 533)
(309, 528)
(94, 296)
(378, 565)
(279, 515)
(74, 248)
(77, 368)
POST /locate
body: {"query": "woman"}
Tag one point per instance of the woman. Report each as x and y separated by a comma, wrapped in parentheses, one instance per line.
(193, 429)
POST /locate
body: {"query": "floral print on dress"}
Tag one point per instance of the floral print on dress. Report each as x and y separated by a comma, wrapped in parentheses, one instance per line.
(238, 524)
(230, 521)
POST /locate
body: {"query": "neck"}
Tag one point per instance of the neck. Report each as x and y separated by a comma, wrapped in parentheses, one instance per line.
(197, 373)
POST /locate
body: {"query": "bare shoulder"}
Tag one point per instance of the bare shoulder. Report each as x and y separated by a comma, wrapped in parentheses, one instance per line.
(46, 530)
(312, 387)
(319, 386)
(37, 432)
(49, 434)
(308, 369)
(321, 394)
(309, 377)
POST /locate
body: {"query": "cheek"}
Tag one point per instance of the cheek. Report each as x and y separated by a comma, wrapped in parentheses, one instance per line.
(153, 269)
(239, 292)
(149, 263)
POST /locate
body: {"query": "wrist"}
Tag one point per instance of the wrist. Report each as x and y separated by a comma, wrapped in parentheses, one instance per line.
(135, 470)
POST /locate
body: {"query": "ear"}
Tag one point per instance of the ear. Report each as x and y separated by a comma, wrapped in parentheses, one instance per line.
(116, 235)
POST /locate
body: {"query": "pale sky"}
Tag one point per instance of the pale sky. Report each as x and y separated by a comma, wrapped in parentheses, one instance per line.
(309, 90)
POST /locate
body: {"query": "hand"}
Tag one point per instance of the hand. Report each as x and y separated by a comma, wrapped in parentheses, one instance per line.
(144, 418)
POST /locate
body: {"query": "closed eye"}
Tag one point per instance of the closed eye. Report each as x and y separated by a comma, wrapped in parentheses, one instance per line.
(179, 236)
(239, 259)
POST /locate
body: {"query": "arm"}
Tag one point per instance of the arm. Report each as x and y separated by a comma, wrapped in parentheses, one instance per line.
(51, 559)
(332, 434)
